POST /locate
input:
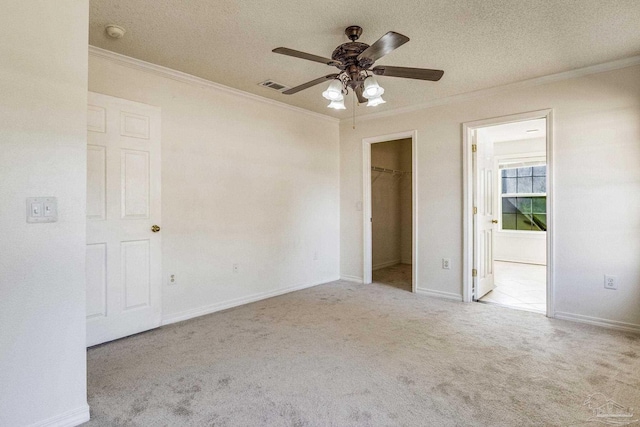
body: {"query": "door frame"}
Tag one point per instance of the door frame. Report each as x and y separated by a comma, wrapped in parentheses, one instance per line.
(366, 203)
(467, 212)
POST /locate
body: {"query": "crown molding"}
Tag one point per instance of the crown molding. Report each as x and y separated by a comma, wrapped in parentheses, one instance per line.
(179, 76)
(483, 93)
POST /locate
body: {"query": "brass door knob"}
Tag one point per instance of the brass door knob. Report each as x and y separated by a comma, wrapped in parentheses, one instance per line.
(494, 221)
(155, 228)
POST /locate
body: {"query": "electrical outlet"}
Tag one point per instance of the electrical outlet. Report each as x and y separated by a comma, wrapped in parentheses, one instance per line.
(610, 282)
(236, 268)
(315, 256)
(172, 280)
(446, 263)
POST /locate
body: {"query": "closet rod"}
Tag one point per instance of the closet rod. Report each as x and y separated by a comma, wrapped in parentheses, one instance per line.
(392, 171)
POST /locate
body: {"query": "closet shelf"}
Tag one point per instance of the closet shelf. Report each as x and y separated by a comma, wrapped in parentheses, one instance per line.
(391, 171)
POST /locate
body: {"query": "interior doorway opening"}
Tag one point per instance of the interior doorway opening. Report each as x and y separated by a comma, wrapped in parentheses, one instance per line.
(391, 213)
(389, 183)
(510, 188)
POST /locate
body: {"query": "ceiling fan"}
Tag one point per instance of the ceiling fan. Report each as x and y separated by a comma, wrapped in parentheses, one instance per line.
(354, 60)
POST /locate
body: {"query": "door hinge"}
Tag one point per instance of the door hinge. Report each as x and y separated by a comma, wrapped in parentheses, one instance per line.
(474, 148)
(474, 273)
(475, 210)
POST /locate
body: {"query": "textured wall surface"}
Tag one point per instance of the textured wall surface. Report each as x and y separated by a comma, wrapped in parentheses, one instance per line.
(406, 203)
(391, 204)
(243, 182)
(43, 82)
(385, 205)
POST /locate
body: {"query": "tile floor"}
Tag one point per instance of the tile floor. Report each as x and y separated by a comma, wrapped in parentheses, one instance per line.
(520, 286)
(398, 276)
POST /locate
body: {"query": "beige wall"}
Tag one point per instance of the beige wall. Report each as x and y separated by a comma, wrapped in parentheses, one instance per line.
(522, 146)
(43, 87)
(391, 204)
(243, 182)
(597, 172)
(406, 203)
(385, 206)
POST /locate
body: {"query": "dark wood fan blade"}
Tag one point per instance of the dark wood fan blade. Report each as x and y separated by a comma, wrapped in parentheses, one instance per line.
(361, 98)
(385, 45)
(304, 55)
(408, 73)
(307, 85)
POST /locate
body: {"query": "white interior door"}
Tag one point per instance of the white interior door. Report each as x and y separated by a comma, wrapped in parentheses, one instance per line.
(484, 219)
(123, 204)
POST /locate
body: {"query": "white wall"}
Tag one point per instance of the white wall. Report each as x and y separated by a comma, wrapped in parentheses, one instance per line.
(243, 182)
(520, 147)
(512, 245)
(597, 174)
(520, 246)
(43, 87)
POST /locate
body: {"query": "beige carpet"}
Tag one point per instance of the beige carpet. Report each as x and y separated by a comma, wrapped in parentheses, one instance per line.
(343, 354)
(398, 276)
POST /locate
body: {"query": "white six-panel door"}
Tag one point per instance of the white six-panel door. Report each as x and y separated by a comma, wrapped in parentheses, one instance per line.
(485, 217)
(123, 263)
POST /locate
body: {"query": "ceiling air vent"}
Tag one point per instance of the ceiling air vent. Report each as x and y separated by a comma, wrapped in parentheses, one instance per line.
(273, 85)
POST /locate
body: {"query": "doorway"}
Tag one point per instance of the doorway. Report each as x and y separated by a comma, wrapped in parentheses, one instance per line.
(508, 234)
(390, 210)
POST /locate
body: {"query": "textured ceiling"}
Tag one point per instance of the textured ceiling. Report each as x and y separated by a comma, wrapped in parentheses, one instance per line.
(479, 43)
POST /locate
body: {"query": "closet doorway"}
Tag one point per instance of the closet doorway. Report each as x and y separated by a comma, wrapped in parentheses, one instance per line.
(390, 211)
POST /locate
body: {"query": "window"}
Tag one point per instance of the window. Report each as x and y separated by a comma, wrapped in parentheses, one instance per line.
(524, 197)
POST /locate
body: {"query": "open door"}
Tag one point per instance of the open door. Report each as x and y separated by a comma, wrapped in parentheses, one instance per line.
(123, 216)
(484, 217)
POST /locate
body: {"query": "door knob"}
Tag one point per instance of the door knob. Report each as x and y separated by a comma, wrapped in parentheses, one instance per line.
(494, 221)
(155, 228)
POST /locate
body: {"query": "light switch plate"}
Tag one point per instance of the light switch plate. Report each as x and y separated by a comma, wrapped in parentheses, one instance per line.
(42, 209)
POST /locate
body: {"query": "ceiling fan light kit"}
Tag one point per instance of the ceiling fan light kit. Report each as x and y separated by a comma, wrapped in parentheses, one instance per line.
(374, 102)
(354, 60)
(334, 91)
(337, 105)
(371, 88)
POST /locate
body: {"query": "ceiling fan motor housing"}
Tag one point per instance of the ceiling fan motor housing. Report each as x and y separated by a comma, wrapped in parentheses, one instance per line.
(347, 56)
(347, 53)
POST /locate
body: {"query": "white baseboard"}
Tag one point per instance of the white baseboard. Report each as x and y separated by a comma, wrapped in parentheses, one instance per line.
(208, 309)
(606, 323)
(385, 264)
(71, 418)
(439, 294)
(351, 278)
